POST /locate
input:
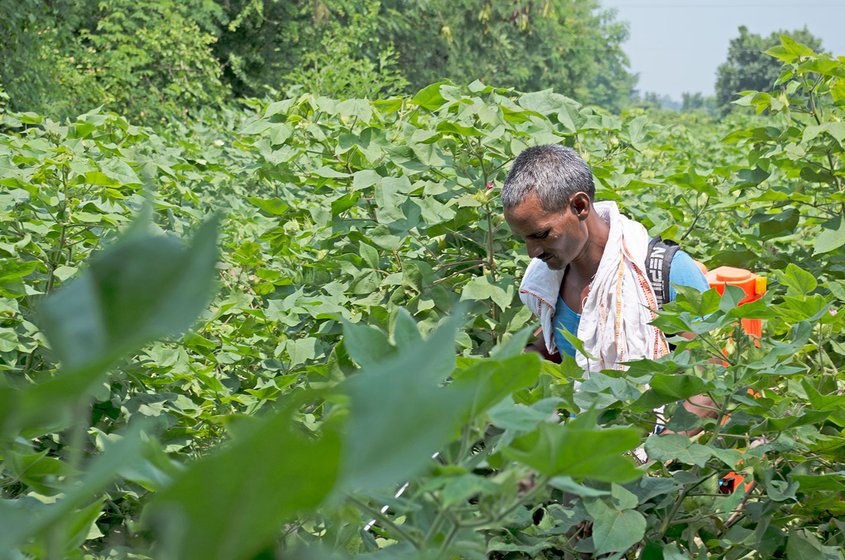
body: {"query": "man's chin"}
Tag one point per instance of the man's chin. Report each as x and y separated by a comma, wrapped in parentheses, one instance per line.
(553, 264)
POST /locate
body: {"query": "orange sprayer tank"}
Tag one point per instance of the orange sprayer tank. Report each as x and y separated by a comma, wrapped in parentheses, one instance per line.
(752, 284)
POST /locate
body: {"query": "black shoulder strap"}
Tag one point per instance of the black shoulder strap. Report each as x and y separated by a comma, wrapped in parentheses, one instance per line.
(658, 260)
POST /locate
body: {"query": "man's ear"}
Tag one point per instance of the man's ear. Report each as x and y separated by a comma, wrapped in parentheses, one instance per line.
(581, 205)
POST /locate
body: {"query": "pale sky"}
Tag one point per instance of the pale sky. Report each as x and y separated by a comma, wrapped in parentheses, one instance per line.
(676, 45)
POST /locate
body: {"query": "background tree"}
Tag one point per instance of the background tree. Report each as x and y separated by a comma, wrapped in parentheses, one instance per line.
(38, 63)
(748, 68)
(150, 59)
(147, 59)
(698, 102)
(571, 46)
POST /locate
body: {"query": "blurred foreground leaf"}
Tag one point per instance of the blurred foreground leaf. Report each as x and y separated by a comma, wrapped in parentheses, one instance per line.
(232, 503)
(143, 287)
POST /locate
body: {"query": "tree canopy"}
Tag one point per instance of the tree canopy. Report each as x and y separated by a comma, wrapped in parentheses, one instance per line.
(749, 68)
(149, 59)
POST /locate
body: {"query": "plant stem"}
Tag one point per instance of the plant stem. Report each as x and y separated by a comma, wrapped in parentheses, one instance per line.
(372, 512)
(539, 486)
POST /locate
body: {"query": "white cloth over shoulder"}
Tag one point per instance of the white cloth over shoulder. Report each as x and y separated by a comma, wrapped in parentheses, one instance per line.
(615, 319)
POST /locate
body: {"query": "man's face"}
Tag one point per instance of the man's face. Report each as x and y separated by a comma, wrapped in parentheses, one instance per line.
(557, 237)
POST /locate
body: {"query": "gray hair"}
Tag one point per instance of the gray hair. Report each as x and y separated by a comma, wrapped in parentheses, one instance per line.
(554, 172)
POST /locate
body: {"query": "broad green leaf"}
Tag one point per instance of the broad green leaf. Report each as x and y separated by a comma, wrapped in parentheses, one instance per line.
(545, 102)
(328, 173)
(616, 527)
(521, 418)
(802, 544)
(231, 504)
(364, 179)
(400, 414)
(780, 424)
(11, 269)
(799, 281)
(405, 330)
(512, 345)
(569, 486)
(829, 482)
(830, 238)
(492, 381)
(8, 340)
(273, 206)
(429, 97)
(578, 449)
(279, 133)
(365, 344)
(674, 447)
(343, 203)
(369, 254)
(677, 387)
(480, 288)
(458, 489)
(731, 298)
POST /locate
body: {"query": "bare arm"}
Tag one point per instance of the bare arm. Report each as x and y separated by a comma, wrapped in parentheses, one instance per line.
(539, 346)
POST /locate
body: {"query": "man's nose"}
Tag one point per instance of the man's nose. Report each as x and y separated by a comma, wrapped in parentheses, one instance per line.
(534, 248)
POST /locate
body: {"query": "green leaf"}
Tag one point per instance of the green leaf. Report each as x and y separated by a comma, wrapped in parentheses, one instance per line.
(512, 345)
(578, 449)
(429, 97)
(357, 108)
(12, 269)
(777, 225)
(8, 339)
(677, 387)
(798, 281)
(830, 238)
(569, 486)
(520, 418)
(21, 519)
(616, 527)
(232, 503)
(492, 381)
(678, 448)
(365, 344)
(400, 414)
(480, 288)
(328, 173)
(459, 489)
(405, 330)
(803, 545)
(344, 203)
(369, 254)
(273, 206)
(731, 297)
(364, 179)
(780, 424)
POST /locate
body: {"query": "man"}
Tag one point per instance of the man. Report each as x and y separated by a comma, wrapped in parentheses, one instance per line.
(587, 275)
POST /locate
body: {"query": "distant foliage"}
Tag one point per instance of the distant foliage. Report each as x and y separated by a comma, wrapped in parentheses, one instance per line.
(698, 102)
(150, 59)
(748, 68)
(324, 46)
(571, 46)
(147, 59)
(38, 54)
(340, 65)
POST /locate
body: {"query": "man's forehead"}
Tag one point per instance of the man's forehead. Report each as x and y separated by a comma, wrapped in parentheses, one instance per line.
(528, 213)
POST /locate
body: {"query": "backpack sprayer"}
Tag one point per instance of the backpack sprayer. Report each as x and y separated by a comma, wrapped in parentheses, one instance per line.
(754, 287)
